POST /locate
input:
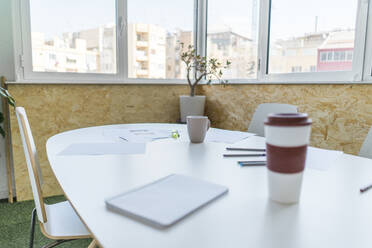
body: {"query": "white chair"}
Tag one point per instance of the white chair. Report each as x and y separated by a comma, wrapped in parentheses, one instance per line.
(59, 221)
(366, 149)
(257, 122)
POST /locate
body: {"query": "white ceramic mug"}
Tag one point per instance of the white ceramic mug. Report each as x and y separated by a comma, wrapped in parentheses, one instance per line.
(197, 127)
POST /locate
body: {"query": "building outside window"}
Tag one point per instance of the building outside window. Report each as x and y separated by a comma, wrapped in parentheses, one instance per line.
(296, 69)
(126, 39)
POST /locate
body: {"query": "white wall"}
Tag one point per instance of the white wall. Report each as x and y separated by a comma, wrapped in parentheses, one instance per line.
(7, 70)
(6, 41)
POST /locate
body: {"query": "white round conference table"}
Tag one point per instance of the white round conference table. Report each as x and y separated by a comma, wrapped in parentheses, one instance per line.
(331, 212)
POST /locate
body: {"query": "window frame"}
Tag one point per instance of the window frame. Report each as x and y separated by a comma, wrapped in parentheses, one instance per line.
(367, 76)
(362, 52)
(334, 77)
(25, 56)
(23, 53)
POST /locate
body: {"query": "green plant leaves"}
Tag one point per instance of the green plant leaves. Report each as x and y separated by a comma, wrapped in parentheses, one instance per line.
(2, 132)
(201, 66)
(5, 93)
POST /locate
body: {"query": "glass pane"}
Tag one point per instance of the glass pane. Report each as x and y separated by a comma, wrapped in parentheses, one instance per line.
(232, 35)
(155, 29)
(330, 56)
(68, 38)
(316, 35)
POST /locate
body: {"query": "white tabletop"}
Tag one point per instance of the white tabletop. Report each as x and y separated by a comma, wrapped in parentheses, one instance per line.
(331, 212)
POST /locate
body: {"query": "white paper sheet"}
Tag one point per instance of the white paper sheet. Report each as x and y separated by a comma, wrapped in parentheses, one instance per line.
(103, 149)
(166, 201)
(226, 136)
(321, 159)
(139, 135)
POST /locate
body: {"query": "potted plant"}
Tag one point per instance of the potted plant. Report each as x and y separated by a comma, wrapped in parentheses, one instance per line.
(4, 93)
(198, 68)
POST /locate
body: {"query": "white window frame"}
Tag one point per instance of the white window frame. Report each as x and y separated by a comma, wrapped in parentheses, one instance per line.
(367, 77)
(335, 77)
(362, 54)
(23, 53)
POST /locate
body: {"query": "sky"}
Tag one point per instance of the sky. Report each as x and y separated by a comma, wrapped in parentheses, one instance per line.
(296, 17)
(289, 17)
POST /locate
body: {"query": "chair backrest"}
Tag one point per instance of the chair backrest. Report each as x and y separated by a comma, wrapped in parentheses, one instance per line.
(32, 162)
(257, 123)
(366, 149)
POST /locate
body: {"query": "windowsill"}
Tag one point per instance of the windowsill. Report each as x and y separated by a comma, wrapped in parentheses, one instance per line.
(182, 82)
(104, 82)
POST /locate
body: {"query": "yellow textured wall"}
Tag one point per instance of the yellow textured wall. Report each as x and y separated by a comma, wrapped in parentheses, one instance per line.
(342, 114)
(52, 109)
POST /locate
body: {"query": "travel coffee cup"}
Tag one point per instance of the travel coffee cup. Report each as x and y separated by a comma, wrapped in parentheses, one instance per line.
(287, 137)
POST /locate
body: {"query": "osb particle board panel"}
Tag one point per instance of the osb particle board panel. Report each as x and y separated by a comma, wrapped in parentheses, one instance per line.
(52, 109)
(342, 114)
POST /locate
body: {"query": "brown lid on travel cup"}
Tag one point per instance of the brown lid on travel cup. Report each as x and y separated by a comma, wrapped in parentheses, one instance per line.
(288, 119)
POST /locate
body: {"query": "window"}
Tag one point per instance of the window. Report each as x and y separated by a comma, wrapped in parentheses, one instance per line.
(342, 55)
(296, 69)
(349, 55)
(302, 25)
(330, 56)
(337, 55)
(323, 56)
(71, 61)
(232, 34)
(75, 34)
(52, 56)
(130, 41)
(155, 29)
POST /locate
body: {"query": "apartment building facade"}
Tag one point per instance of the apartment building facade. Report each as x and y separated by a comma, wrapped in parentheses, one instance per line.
(146, 51)
(154, 52)
(62, 55)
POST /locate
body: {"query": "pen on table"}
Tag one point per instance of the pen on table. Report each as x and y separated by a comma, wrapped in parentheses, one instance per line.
(123, 138)
(362, 190)
(252, 163)
(245, 149)
(245, 155)
(164, 137)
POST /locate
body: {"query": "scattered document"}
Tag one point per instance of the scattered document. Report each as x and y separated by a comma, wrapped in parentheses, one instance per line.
(321, 159)
(138, 135)
(167, 200)
(226, 136)
(103, 149)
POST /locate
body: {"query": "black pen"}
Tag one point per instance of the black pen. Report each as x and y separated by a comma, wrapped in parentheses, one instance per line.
(362, 190)
(245, 149)
(245, 155)
(252, 164)
(252, 161)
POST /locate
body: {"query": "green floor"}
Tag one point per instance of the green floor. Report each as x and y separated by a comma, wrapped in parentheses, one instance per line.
(15, 222)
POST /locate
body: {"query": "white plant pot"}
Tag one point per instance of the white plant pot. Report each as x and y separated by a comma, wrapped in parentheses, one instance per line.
(191, 105)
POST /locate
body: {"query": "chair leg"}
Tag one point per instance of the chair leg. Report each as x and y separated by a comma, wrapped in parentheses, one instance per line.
(54, 243)
(32, 231)
(57, 242)
(93, 244)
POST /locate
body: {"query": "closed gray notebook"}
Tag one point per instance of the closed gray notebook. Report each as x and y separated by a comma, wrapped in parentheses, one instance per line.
(167, 200)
